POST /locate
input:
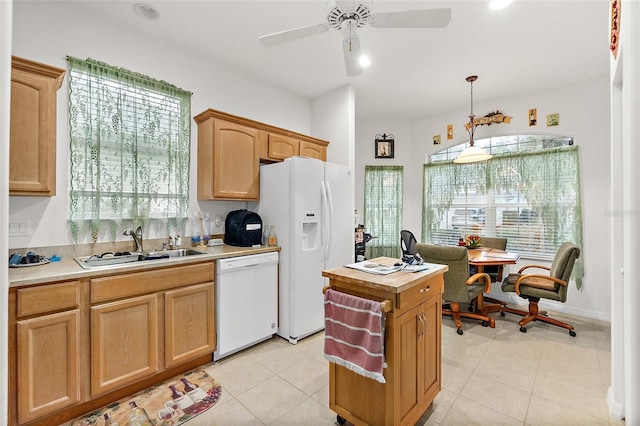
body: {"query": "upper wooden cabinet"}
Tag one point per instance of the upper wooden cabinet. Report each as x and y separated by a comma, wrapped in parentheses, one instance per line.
(280, 147)
(228, 163)
(230, 149)
(313, 150)
(32, 150)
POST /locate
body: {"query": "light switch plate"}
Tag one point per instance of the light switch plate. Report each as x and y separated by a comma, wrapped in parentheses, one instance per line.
(20, 228)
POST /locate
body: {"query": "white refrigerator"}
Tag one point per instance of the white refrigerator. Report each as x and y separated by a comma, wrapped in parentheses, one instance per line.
(310, 204)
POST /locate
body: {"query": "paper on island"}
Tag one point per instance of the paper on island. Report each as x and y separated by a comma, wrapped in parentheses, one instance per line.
(374, 268)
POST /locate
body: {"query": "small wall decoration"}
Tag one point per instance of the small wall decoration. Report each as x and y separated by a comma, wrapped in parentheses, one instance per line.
(384, 146)
(492, 117)
(615, 27)
(553, 119)
(449, 131)
(436, 139)
(533, 117)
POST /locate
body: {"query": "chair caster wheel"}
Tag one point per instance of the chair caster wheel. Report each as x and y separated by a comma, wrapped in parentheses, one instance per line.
(485, 323)
(523, 329)
(341, 420)
(502, 314)
(572, 333)
(459, 331)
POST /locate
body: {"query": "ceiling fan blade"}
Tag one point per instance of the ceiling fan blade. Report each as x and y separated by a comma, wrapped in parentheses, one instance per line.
(351, 49)
(426, 18)
(293, 34)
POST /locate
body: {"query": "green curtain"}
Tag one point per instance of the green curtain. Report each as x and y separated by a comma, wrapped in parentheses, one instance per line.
(383, 209)
(129, 151)
(549, 180)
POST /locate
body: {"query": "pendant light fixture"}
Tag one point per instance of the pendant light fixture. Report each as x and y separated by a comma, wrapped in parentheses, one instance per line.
(472, 154)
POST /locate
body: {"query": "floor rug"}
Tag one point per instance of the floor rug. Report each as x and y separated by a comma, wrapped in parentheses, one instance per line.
(173, 402)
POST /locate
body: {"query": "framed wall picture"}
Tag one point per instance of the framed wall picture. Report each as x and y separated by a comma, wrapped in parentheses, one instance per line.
(533, 117)
(384, 146)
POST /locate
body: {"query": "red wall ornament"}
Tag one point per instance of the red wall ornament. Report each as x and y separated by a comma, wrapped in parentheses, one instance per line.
(615, 27)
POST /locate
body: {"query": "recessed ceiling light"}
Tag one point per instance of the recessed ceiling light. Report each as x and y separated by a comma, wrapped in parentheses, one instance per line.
(145, 11)
(364, 61)
(499, 4)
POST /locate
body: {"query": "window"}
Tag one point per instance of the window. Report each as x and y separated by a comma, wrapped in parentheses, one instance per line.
(383, 209)
(130, 146)
(529, 192)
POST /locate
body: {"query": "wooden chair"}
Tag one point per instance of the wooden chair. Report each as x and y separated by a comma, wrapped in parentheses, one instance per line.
(552, 286)
(459, 288)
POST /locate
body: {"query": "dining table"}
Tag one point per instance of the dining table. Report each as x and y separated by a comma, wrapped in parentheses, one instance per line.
(487, 256)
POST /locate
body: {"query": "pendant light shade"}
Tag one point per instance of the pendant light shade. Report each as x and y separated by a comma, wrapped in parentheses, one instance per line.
(472, 154)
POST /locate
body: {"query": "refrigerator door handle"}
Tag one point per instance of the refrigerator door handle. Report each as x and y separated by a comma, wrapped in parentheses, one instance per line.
(325, 206)
(329, 220)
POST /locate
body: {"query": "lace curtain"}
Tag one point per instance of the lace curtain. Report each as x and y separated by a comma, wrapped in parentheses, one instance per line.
(548, 180)
(130, 147)
(383, 209)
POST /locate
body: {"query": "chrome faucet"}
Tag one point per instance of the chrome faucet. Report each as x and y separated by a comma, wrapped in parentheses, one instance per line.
(137, 237)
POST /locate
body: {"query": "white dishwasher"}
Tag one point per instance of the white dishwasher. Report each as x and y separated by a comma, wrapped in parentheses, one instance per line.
(246, 301)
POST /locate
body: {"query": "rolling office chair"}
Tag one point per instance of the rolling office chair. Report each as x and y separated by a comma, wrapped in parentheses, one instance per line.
(408, 242)
(494, 272)
(459, 288)
(552, 286)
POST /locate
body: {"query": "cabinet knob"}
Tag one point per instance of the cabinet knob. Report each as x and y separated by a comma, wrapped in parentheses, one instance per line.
(424, 290)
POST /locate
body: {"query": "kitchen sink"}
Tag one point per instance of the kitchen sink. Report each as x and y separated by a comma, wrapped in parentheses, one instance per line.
(111, 259)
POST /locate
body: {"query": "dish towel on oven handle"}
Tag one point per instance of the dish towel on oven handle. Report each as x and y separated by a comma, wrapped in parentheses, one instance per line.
(354, 334)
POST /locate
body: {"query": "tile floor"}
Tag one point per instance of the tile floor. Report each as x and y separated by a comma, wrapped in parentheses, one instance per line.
(489, 377)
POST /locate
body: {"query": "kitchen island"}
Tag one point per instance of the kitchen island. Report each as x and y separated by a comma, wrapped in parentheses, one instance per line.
(412, 346)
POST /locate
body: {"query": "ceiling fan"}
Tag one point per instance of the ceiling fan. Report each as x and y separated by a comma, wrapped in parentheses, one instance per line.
(348, 16)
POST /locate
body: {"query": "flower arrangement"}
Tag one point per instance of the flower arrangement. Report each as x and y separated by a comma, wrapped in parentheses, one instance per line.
(472, 241)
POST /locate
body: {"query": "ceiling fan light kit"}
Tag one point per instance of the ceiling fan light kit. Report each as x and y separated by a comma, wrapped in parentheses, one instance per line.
(348, 16)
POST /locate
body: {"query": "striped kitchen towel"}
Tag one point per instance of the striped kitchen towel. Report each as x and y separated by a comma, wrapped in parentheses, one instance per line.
(354, 334)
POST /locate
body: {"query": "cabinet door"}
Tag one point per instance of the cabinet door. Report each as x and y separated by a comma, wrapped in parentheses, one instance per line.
(48, 364)
(313, 150)
(228, 163)
(190, 326)
(410, 325)
(429, 351)
(124, 342)
(32, 150)
(281, 147)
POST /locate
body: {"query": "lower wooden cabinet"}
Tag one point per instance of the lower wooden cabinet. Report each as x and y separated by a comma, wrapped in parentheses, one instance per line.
(77, 345)
(419, 333)
(124, 342)
(189, 324)
(48, 364)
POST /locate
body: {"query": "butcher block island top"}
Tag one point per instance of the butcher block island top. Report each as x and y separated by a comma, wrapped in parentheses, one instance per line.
(413, 340)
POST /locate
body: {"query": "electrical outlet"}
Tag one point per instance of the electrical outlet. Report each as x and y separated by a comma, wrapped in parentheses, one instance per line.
(20, 228)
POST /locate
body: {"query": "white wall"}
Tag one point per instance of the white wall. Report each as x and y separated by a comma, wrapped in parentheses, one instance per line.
(5, 106)
(41, 32)
(584, 114)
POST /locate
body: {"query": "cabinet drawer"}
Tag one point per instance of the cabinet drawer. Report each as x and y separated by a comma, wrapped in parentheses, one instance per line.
(49, 298)
(137, 283)
(420, 292)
